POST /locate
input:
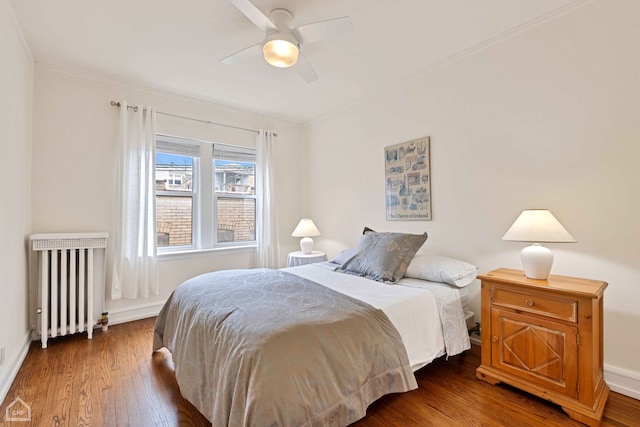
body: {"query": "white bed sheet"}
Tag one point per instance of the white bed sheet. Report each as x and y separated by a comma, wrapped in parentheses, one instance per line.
(412, 310)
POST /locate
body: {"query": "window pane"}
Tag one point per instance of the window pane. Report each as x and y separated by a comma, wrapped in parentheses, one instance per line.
(236, 219)
(173, 172)
(174, 200)
(235, 177)
(174, 219)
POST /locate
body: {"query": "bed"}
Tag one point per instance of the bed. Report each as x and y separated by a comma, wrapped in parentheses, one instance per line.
(312, 345)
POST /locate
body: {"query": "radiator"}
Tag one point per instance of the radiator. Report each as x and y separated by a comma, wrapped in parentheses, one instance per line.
(70, 294)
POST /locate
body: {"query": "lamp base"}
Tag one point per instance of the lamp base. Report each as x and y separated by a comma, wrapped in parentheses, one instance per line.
(536, 261)
(306, 245)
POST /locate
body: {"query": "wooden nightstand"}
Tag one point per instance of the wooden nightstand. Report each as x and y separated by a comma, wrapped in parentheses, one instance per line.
(545, 337)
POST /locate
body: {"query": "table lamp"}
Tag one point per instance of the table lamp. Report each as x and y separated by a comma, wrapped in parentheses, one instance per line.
(536, 226)
(306, 229)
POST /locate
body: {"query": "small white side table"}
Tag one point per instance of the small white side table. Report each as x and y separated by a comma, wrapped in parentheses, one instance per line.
(298, 258)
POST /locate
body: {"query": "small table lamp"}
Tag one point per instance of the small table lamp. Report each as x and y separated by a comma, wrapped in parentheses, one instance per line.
(306, 229)
(537, 225)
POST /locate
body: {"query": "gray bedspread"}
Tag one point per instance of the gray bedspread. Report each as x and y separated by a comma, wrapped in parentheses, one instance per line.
(268, 348)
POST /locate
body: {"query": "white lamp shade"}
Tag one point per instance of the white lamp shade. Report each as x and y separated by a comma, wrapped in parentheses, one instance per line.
(537, 225)
(306, 228)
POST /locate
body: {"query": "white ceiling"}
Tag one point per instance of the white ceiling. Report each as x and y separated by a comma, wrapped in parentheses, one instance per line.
(176, 45)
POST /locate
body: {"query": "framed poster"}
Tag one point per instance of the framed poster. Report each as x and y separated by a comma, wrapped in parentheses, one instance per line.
(408, 180)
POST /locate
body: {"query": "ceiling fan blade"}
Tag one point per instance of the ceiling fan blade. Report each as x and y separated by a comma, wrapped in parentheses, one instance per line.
(321, 30)
(244, 54)
(304, 68)
(255, 15)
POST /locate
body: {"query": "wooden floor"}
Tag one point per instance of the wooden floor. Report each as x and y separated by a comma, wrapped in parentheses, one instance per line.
(115, 380)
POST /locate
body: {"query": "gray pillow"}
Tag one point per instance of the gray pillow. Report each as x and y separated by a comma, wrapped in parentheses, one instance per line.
(383, 256)
(344, 256)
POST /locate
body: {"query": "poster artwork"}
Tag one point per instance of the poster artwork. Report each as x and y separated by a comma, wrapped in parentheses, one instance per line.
(408, 181)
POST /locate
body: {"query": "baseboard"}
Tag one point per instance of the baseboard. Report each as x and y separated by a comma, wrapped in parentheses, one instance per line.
(8, 375)
(622, 381)
(135, 313)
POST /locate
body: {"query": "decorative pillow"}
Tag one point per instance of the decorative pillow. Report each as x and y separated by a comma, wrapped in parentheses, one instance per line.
(436, 268)
(344, 256)
(383, 256)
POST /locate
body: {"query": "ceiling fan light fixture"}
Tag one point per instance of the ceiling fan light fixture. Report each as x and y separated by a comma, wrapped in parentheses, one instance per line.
(280, 52)
(281, 45)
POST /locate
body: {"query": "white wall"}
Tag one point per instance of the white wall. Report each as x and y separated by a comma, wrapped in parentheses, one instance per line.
(546, 119)
(16, 93)
(74, 137)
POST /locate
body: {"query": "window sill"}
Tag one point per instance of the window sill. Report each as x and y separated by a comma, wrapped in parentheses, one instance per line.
(192, 253)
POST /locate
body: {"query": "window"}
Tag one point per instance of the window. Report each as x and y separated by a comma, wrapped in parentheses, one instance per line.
(205, 194)
(175, 180)
(176, 199)
(235, 193)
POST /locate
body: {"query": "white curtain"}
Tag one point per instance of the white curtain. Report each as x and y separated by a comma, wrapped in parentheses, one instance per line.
(134, 267)
(266, 227)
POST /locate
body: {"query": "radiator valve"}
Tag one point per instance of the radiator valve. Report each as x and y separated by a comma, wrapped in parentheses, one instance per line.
(104, 322)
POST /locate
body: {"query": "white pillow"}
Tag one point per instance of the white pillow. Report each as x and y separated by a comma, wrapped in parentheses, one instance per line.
(435, 268)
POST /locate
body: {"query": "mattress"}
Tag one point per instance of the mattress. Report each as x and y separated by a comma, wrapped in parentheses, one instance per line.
(414, 307)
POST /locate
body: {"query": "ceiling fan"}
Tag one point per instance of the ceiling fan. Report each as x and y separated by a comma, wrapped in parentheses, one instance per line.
(281, 45)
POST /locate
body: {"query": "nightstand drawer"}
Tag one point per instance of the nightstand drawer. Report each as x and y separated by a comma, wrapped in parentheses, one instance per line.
(557, 308)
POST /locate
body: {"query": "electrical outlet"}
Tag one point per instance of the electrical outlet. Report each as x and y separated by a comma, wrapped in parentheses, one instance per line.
(1, 355)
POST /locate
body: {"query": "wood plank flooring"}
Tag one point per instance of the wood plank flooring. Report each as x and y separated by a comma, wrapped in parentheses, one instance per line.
(115, 380)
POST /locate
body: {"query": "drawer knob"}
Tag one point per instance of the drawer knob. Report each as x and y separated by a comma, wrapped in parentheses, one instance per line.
(529, 303)
(494, 338)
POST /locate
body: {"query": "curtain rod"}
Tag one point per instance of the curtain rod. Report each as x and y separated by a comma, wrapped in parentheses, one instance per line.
(207, 122)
